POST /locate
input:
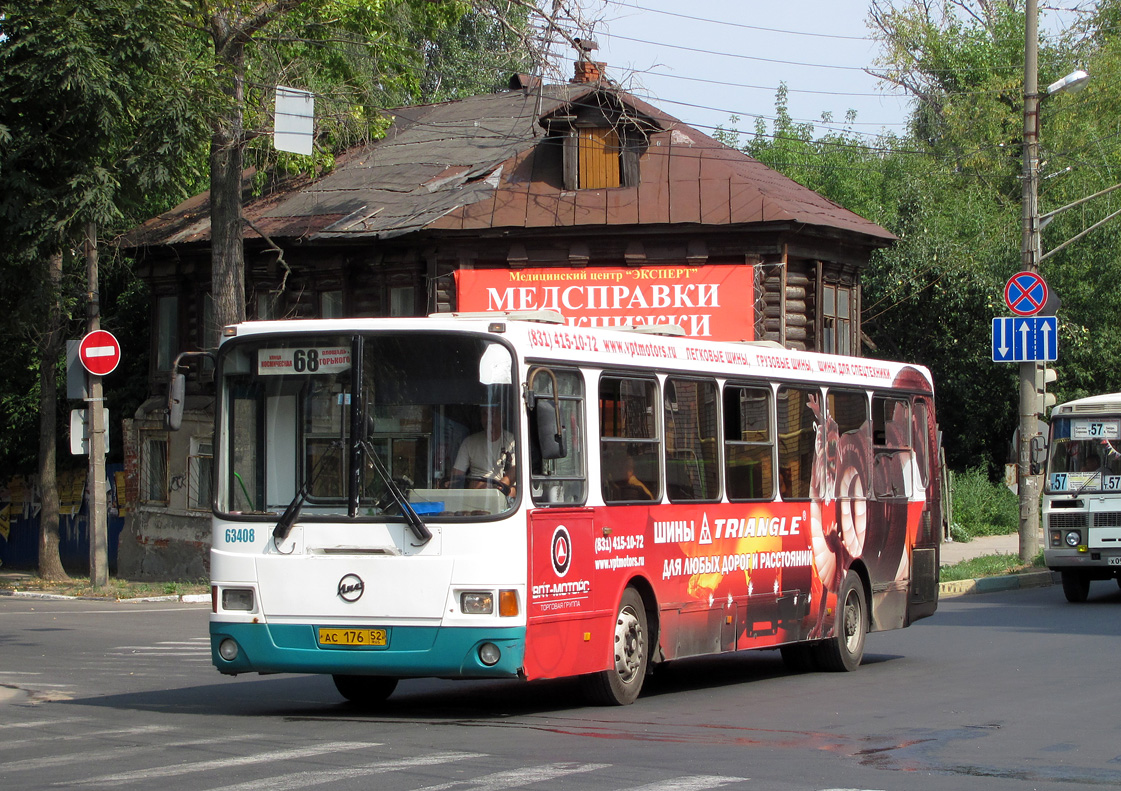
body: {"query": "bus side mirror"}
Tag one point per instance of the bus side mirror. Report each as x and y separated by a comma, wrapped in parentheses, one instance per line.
(1038, 454)
(550, 439)
(176, 395)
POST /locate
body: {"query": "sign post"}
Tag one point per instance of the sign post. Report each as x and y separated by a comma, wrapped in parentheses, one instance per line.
(100, 354)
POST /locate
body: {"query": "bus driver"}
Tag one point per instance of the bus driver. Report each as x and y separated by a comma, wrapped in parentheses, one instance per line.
(486, 458)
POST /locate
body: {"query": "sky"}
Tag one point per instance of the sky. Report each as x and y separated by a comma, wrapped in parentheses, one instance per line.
(704, 61)
(745, 49)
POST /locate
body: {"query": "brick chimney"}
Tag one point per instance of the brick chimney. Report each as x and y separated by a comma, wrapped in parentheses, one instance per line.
(589, 71)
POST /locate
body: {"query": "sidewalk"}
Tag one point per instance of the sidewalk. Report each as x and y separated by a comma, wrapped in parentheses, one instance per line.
(953, 552)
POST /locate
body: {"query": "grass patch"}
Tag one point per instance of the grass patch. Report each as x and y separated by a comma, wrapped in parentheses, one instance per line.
(981, 507)
(988, 566)
(115, 589)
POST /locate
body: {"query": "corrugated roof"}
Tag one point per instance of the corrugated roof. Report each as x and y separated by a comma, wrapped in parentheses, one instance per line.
(476, 163)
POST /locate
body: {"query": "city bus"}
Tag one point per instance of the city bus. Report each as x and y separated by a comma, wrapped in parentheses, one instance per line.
(1082, 493)
(505, 496)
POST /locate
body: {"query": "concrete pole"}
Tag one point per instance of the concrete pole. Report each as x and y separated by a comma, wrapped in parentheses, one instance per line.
(98, 508)
(1029, 484)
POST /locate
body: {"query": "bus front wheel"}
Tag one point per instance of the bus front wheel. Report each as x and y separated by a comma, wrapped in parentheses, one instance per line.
(621, 684)
(365, 691)
(845, 649)
(1076, 587)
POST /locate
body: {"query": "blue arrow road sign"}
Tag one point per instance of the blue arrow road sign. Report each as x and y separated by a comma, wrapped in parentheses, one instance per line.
(1018, 339)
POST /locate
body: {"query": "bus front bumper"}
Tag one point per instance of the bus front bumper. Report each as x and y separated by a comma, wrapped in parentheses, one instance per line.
(412, 651)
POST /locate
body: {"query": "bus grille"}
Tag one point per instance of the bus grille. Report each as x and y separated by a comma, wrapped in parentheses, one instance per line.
(1107, 519)
(1063, 521)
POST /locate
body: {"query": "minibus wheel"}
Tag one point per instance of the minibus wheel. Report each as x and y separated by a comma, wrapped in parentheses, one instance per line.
(1076, 587)
(845, 649)
(621, 684)
(365, 691)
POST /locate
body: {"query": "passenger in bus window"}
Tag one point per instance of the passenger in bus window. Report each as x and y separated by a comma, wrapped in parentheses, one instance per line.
(624, 484)
(486, 458)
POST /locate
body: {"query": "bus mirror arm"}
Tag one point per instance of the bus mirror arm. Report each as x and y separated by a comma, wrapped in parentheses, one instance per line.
(177, 390)
(548, 430)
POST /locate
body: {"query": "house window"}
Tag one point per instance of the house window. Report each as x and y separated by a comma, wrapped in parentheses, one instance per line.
(167, 331)
(402, 301)
(330, 304)
(153, 468)
(599, 158)
(837, 318)
(200, 469)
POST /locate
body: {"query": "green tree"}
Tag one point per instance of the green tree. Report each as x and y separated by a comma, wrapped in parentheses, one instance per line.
(88, 129)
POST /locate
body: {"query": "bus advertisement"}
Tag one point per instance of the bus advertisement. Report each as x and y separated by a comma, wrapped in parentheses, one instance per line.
(497, 497)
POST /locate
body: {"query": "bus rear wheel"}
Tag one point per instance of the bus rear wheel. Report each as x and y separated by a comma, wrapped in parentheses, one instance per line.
(844, 651)
(620, 685)
(1076, 586)
(365, 691)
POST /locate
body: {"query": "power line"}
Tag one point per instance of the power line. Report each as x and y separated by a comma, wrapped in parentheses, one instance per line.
(721, 22)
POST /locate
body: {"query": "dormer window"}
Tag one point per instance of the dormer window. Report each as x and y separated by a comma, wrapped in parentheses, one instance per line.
(602, 141)
(599, 158)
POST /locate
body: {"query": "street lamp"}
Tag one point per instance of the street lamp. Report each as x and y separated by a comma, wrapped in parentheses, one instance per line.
(1030, 374)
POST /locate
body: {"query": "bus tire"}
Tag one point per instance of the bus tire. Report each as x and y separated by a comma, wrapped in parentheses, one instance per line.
(1076, 586)
(365, 691)
(844, 651)
(620, 685)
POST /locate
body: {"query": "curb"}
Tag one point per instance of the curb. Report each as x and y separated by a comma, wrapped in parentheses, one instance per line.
(187, 598)
(1031, 579)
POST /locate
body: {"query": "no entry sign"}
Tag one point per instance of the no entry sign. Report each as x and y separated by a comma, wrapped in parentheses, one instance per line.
(1025, 293)
(99, 352)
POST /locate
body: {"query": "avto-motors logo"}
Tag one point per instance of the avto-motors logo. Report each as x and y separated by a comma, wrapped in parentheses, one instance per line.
(351, 588)
(561, 551)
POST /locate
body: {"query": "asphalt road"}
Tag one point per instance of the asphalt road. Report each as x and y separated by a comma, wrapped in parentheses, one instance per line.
(1009, 690)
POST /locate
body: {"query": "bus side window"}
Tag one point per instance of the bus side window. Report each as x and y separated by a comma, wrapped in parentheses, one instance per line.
(891, 440)
(692, 467)
(748, 443)
(796, 440)
(562, 481)
(920, 438)
(848, 416)
(629, 444)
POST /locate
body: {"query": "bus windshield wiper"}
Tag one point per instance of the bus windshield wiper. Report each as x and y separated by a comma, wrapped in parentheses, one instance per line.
(416, 524)
(292, 512)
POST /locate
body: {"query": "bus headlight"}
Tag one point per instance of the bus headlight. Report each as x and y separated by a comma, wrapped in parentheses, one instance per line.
(1073, 538)
(476, 602)
(489, 654)
(237, 599)
(227, 649)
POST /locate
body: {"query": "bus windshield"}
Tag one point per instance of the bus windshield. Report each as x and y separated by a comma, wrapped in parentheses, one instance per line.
(331, 420)
(1085, 455)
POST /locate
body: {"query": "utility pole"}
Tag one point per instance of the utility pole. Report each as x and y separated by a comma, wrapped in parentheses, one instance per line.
(1030, 249)
(98, 510)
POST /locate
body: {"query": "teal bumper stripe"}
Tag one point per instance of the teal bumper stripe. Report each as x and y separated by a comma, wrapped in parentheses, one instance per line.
(413, 651)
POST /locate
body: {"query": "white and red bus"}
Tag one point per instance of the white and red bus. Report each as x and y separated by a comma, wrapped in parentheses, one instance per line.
(495, 497)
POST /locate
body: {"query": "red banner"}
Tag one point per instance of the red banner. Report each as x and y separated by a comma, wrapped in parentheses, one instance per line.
(713, 302)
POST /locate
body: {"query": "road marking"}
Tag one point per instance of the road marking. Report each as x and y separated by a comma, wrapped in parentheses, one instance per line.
(321, 776)
(110, 753)
(691, 783)
(223, 763)
(40, 723)
(72, 737)
(513, 778)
